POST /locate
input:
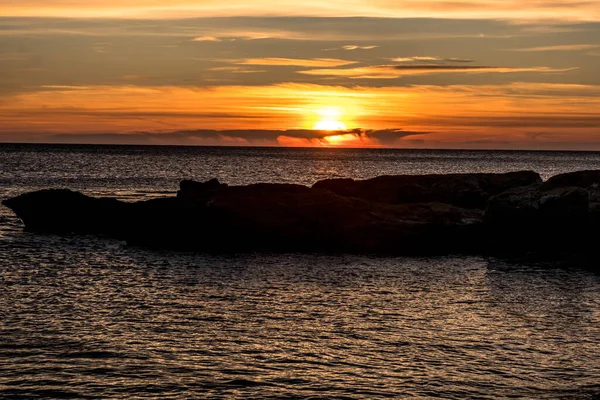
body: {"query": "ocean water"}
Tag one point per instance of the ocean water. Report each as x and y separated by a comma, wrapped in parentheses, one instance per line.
(85, 317)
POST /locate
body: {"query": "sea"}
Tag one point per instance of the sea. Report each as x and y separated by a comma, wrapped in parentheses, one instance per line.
(89, 317)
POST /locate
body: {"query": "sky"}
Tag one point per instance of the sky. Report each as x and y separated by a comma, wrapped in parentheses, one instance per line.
(489, 74)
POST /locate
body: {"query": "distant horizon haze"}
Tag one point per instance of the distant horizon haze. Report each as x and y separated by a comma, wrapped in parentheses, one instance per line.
(347, 139)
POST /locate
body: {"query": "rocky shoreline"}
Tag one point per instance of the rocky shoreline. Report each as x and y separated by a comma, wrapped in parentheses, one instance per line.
(513, 213)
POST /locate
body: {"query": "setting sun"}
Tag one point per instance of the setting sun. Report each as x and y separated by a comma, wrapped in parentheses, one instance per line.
(329, 119)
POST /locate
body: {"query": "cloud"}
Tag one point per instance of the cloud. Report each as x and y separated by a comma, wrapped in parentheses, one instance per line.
(566, 47)
(396, 71)
(351, 47)
(236, 70)
(290, 137)
(278, 61)
(207, 39)
(515, 121)
(431, 116)
(355, 47)
(163, 9)
(411, 59)
(389, 137)
(350, 32)
(460, 60)
(430, 59)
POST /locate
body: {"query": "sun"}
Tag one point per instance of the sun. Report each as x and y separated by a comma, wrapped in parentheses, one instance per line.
(329, 119)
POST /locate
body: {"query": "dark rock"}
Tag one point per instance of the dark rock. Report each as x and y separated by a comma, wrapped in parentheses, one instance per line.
(580, 179)
(381, 215)
(588, 180)
(518, 206)
(199, 190)
(262, 217)
(570, 199)
(296, 218)
(546, 222)
(536, 208)
(66, 211)
(461, 190)
(565, 205)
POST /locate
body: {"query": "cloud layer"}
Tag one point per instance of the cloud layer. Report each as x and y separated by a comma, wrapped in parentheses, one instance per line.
(490, 73)
(496, 9)
(519, 115)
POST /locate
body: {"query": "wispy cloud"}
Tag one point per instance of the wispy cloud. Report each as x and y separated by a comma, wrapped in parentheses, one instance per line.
(207, 39)
(396, 71)
(566, 47)
(430, 59)
(352, 47)
(355, 47)
(482, 9)
(287, 137)
(314, 62)
(452, 115)
(411, 59)
(236, 70)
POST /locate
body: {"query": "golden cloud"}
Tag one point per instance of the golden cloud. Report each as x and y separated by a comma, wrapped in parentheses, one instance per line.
(451, 115)
(492, 9)
(312, 62)
(396, 71)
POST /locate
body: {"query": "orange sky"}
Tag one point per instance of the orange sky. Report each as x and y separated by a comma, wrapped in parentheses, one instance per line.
(447, 116)
(485, 74)
(498, 9)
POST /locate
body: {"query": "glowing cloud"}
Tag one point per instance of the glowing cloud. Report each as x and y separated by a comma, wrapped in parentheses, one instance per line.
(396, 71)
(495, 9)
(355, 47)
(206, 39)
(512, 116)
(567, 47)
(315, 62)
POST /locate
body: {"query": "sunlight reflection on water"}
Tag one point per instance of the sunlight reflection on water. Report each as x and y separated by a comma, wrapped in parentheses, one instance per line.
(85, 317)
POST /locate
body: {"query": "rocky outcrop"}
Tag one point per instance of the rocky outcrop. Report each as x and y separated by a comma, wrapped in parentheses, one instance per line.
(263, 217)
(432, 214)
(461, 190)
(586, 180)
(555, 220)
(589, 180)
(65, 211)
(199, 190)
(569, 198)
(296, 218)
(532, 207)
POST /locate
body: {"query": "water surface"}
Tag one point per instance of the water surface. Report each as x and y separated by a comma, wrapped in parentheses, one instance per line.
(89, 317)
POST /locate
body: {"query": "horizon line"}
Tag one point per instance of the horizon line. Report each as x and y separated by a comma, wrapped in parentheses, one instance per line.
(294, 147)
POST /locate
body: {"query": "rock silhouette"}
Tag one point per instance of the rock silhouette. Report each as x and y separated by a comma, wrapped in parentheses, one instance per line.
(428, 214)
(557, 219)
(461, 190)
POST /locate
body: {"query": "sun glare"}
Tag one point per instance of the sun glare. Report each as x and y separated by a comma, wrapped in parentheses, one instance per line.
(329, 119)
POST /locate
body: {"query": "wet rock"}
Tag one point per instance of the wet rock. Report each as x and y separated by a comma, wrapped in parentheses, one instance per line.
(461, 190)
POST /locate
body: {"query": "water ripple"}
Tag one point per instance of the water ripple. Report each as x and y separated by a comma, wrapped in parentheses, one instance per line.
(83, 317)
